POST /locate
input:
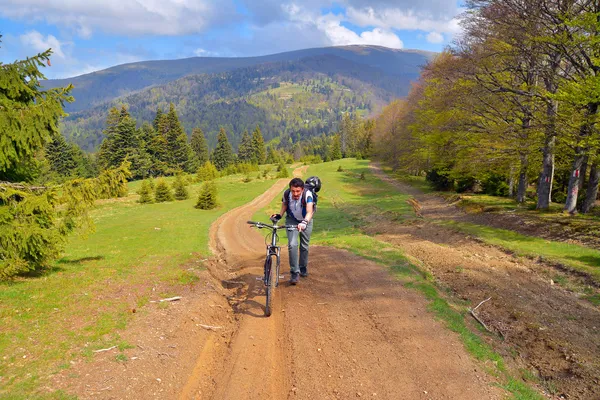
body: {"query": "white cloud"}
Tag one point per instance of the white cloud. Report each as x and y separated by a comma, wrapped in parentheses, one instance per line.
(435, 37)
(133, 17)
(396, 18)
(38, 43)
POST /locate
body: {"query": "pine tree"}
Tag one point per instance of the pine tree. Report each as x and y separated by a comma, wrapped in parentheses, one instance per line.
(159, 113)
(258, 145)
(181, 192)
(223, 154)
(61, 157)
(145, 192)
(178, 151)
(335, 150)
(162, 192)
(207, 172)
(246, 149)
(282, 171)
(199, 146)
(272, 156)
(207, 198)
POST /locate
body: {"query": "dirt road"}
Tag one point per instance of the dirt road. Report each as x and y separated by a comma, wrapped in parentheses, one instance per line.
(347, 331)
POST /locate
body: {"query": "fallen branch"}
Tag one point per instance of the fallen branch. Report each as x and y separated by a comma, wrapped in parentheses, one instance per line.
(101, 350)
(472, 312)
(209, 327)
(169, 299)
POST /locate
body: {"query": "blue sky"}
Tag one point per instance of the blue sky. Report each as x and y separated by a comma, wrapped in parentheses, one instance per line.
(95, 34)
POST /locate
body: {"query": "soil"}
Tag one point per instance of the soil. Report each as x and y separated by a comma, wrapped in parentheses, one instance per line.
(349, 330)
(553, 332)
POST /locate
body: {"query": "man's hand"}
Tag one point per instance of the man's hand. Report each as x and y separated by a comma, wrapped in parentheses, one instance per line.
(276, 217)
(302, 226)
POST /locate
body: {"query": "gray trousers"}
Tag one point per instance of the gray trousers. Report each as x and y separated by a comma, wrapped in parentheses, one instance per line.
(298, 239)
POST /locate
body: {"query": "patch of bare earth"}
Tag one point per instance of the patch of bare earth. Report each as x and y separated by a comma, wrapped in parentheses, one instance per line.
(349, 330)
(551, 330)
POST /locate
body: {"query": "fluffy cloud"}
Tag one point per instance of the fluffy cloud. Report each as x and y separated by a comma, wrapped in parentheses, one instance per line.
(435, 37)
(132, 17)
(38, 43)
(396, 18)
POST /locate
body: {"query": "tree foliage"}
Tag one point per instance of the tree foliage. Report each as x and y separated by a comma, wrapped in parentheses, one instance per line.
(223, 154)
(207, 198)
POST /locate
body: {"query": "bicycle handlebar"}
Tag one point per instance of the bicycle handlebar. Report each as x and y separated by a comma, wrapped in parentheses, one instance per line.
(261, 225)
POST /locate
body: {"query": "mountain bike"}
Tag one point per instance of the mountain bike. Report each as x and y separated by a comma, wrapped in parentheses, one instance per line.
(272, 260)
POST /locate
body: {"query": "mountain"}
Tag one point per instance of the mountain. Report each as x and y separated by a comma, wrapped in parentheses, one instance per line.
(290, 95)
(98, 87)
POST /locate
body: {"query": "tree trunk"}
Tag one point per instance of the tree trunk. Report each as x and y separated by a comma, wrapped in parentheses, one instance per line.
(544, 189)
(592, 189)
(580, 153)
(583, 173)
(573, 189)
(511, 182)
(521, 190)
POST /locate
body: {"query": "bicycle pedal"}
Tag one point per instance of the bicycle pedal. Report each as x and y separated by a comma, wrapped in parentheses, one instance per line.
(281, 276)
(259, 278)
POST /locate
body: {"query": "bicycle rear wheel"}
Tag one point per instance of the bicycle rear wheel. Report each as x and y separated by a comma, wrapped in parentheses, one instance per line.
(270, 271)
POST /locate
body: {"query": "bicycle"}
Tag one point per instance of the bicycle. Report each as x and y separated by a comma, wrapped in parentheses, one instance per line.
(271, 272)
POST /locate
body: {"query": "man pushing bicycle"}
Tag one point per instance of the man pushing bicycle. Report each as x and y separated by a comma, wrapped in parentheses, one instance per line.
(298, 203)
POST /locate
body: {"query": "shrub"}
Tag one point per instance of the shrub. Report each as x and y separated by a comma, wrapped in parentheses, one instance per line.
(340, 169)
(311, 159)
(282, 171)
(495, 185)
(207, 172)
(466, 184)
(362, 176)
(162, 192)
(181, 192)
(440, 179)
(247, 179)
(266, 173)
(207, 198)
(145, 192)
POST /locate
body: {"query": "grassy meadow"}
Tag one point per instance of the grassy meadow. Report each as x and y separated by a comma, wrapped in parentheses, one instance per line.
(74, 307)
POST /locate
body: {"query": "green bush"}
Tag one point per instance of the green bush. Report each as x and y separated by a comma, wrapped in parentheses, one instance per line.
(207, 172)
(207, 198)
(440, 180)
(181, 192)
(282, 171)
(495, 185)
(162, 192)
(145, 192)
(466, 184)
(311, 159)
(340, 169)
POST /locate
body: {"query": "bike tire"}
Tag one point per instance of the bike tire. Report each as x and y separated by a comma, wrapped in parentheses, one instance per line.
(270, 271)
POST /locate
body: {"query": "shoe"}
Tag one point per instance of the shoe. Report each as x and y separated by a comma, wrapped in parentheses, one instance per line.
(303, 273)
(294, 278)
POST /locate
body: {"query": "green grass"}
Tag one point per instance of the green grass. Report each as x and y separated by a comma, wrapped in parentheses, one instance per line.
(347, 204)
(76, 307)
(580, 258)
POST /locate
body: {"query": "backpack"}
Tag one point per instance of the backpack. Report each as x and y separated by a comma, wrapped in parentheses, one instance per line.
(314, 185)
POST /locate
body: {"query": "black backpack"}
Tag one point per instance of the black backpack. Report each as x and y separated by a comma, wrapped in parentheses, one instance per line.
(314, 185)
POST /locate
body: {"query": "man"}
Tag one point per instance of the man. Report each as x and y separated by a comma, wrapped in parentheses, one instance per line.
(298, 204)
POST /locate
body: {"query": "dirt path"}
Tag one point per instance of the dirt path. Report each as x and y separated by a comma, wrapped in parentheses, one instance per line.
(348, 331)
(555, 333)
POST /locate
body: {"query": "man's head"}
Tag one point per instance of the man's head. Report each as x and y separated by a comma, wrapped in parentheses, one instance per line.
(296, 188)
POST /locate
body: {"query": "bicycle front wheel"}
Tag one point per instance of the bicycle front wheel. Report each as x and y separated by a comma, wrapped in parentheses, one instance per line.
(271, 279)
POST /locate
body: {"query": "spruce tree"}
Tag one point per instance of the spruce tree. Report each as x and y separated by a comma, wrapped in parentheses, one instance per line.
(181, 192)
(258, 145)
(162, 192)
(145, 192)
(157, 117)
(61, 156)
(178, 151)
(207, 198)
(335, 150)
(282, 171)
(246, 150)
(199, 146)
(207, 172)
(223, 154)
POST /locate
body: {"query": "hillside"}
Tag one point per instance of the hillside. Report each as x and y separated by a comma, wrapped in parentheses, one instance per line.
(98, 87)
(290, 100)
